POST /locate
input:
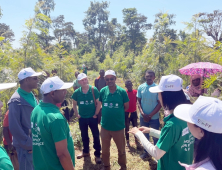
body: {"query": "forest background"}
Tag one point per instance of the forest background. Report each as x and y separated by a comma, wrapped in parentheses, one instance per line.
(52, 45)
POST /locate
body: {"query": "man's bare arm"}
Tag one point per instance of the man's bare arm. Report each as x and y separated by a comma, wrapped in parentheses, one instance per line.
(64, 156)
(75, 109)
(126, 106)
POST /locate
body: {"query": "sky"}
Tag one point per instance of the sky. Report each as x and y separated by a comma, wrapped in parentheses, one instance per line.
(15, 12)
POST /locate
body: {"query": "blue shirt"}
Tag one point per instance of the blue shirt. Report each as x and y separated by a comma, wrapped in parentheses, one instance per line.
(148, 100)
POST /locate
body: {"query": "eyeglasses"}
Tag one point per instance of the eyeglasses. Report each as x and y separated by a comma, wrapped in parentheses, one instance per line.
(111, 79)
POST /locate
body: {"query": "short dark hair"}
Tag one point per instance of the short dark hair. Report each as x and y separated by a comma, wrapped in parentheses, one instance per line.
(171, 99)
(128, 81)
(102, 70)
(209, 146)
(76, 72)
(150, 72)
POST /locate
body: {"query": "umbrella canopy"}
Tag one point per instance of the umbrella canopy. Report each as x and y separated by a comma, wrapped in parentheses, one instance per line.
(202, 68)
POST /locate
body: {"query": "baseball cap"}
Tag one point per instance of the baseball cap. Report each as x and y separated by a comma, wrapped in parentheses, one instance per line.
(168, 83)
(4, 86)
(110, 72)
(54, 83)
(27, 72)
(206, 112)
(81, 76)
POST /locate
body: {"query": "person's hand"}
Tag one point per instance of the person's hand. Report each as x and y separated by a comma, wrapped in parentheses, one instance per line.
(144, 129)
(79, 116)
(146, 118)
(95, 116)
(134, 130)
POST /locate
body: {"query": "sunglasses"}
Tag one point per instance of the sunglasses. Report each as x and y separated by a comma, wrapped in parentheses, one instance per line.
(111, 79)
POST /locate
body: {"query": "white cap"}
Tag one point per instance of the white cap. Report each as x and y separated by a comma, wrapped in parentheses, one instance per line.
(4, 86)
(54, 83)
(110, 72)
(27, 72)
(206, 112)
(168, 83)
(81, 76)
(83, 65)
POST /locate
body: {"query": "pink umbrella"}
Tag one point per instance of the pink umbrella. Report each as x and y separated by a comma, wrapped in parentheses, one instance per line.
(202, 68)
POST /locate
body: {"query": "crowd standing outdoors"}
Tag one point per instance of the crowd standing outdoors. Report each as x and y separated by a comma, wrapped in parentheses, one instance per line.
(38, 133)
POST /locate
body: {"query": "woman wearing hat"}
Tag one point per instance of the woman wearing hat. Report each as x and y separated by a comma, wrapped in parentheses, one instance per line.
(204, 121)
(175, 142)
(5, 162)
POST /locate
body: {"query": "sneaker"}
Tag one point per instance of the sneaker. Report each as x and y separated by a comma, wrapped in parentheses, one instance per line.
(144, 155)
(98, 160)
(82, 155)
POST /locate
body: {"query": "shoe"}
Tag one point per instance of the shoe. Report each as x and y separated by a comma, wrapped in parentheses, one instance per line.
(98, 160)
(144, 155)
(82, 155)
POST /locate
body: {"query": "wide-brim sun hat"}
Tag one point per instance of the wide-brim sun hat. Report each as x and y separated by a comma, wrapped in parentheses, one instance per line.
(206, 112)
(54, 83)
(4, 86)
(168, 83)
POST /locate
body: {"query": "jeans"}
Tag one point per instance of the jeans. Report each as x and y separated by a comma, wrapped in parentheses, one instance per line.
(133, 119)
(93, 125)
(119, 139)
(153, 123)
(24, 159)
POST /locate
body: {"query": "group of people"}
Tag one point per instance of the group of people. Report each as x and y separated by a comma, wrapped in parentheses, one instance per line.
(42, 138)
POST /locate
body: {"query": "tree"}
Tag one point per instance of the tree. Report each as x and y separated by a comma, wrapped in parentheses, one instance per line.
(6, 32)
(96, 24)
(212, 24)
(136, 25)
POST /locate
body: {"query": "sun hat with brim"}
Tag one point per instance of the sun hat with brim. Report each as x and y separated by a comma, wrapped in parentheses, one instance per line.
(110, 72)
(206, 112)
(27, 72)
(81, 76)
(168, 83)
(5, 86)
(54, 83)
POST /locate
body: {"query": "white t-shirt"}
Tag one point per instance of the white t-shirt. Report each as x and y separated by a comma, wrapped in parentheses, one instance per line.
(206, 166)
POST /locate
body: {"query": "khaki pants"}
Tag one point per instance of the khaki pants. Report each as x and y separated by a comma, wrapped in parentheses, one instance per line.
(119, 139)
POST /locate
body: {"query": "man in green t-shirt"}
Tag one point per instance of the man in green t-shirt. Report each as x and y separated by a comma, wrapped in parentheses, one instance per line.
(5, 162)
(87, 99)
(52, 141)
(21, 105)
(76, 85)
(115, 102)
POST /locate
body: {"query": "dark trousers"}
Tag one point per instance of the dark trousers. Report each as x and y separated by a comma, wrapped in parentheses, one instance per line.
(130, 118)
(93, 125)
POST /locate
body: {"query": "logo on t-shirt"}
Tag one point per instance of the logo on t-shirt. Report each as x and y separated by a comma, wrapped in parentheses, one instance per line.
(116, 106)
(86, 102)
(105, 104)
(110, 105)
(185, 131)
(81, 102)
(91, 102)
(187, 143)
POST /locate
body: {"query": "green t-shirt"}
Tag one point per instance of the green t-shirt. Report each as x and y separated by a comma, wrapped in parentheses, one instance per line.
(113, 114)
(5, 162)
(84, 70)
(178, 143)
(29, 97)
(48, 127)
(85, 102)
(76, 84)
